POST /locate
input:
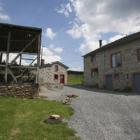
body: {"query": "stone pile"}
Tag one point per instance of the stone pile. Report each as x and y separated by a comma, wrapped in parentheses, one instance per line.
(67, 101)
(16, 90)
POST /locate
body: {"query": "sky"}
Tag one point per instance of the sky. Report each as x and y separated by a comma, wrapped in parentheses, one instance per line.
(72, 28)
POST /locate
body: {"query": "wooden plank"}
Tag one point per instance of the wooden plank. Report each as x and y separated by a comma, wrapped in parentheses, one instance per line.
(1, 54)
(1, 65)
(38, 59)
(11, 73)
(27, 67)
(20, 59)
(7, 56)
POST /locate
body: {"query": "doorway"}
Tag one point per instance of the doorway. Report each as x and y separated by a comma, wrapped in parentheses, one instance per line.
(62, 79)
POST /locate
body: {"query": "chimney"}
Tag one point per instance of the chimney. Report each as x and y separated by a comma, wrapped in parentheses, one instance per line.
(100, 43)
(42, 62)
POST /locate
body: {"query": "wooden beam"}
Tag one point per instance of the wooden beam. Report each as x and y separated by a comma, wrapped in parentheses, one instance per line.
(2, 65)
(26, 67)
(24, 49)
(11, 73)
(7, 57)
(33, 61)
(38, 59)
(20, 59)
(1, 54)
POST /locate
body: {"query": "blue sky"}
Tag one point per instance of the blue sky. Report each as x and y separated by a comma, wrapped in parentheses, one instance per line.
(72, 28)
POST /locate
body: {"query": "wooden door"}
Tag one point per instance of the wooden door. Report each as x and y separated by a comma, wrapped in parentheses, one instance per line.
(62, 79)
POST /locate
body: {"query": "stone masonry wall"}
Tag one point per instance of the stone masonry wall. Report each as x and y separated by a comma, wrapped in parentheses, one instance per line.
(22, 91)
(130, 65)
(46, 74)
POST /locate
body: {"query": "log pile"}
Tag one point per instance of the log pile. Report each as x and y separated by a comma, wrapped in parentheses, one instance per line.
(22, 91)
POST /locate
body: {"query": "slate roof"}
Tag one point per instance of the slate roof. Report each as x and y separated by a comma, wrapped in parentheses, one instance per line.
(116, 43)
(53, 63)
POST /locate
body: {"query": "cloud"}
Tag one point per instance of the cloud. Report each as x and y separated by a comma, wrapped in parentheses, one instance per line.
(75, 31)
(12, 56)
(100, 16)
(57, 50)
(52, 53)
(3, 15)
(116, 37)
(65, 9)
(49, 33)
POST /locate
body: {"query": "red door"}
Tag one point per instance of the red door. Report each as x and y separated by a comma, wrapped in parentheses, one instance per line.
(62, 79)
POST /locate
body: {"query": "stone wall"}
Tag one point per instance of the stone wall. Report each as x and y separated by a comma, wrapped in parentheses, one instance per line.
(130, 65)
(22, 91)
(46, 74)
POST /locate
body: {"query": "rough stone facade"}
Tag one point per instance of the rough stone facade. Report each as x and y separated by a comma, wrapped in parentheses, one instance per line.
(122, 76)
(50, 76)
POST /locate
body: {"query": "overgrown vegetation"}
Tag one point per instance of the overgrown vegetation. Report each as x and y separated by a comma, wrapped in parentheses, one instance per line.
(22, 119)
(75, 79)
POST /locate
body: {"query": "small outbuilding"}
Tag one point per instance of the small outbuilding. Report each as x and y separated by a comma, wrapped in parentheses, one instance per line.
(54, 74)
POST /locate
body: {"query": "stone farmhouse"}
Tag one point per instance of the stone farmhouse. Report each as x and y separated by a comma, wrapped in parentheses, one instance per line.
(54, 73)
(115, 66)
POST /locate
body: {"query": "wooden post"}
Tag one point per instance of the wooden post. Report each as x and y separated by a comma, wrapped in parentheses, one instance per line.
(1, 54)
(41, 53)
(20, 59)
(7, 56)
(38, 59)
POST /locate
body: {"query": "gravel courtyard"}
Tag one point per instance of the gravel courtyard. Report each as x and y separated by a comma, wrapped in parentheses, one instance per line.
(100, 115)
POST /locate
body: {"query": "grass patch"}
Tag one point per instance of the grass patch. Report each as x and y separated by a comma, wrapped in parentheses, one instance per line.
(75, 79)
(22, 119)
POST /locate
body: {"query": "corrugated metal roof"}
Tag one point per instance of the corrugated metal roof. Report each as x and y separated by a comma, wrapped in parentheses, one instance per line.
(20, 37)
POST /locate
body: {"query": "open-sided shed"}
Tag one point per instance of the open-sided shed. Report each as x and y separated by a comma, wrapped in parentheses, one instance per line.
(19, 40)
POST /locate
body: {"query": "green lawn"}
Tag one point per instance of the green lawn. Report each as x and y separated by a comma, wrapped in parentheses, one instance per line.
(75, 79)
(22, 119)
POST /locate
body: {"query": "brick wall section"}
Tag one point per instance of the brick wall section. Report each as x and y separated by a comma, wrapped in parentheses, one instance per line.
(130, 65)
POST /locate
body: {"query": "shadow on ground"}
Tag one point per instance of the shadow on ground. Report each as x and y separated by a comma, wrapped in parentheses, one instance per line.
(82, 87)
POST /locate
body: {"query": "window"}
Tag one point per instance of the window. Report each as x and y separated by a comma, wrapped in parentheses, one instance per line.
(56, 68)
(116, 76)
(93, 59)
(138, 55)
(55, 77)
(116, 60)
(94, 72)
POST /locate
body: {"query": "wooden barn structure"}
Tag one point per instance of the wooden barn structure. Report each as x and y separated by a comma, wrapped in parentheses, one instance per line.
(19, 40)
(24, 43)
